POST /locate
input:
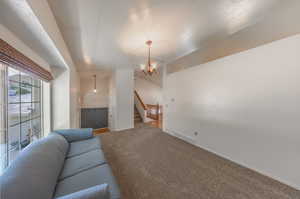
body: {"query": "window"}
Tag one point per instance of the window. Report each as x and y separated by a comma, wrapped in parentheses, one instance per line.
(3, 149)
(21, 111)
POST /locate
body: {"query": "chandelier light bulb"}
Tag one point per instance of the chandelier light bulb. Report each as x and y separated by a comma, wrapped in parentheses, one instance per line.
(154, 65)
(143, 66)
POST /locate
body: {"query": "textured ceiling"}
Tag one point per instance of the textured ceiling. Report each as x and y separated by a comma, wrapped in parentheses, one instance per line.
(102, 34)
(105, 34)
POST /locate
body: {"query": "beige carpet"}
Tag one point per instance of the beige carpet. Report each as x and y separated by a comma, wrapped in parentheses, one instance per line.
(150, 164)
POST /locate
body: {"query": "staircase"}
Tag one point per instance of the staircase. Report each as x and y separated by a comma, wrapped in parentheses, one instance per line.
(137, 117)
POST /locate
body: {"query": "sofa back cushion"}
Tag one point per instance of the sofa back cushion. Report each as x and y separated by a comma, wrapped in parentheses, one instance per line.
(34, 173)
(73, 135)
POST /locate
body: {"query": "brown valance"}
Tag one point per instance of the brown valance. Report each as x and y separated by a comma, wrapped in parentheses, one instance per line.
(13, 57)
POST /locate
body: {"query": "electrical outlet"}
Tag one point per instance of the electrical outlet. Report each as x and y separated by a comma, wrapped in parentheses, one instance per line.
(195, 133)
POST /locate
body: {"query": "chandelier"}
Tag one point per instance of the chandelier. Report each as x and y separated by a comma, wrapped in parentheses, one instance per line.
(150, 67)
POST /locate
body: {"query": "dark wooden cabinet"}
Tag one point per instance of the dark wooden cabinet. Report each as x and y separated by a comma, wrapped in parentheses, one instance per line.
(95, 118)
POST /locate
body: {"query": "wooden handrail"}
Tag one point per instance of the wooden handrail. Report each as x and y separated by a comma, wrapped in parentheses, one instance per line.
(140, 100)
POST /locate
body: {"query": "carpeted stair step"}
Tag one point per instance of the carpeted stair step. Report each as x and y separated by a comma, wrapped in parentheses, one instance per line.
(137, 117)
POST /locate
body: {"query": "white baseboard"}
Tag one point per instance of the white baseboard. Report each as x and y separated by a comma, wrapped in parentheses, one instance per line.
(194, 142)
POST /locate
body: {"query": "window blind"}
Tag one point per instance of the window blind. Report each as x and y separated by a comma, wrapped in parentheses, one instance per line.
(15, 58)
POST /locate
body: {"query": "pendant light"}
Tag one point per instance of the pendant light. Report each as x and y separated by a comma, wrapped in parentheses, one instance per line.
(95, 85)
(150, 67)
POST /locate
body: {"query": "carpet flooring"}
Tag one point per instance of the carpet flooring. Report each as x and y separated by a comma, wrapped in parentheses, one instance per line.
(150, 164)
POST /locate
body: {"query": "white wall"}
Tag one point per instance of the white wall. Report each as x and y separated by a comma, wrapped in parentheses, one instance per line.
(121, 105)
(125, 100)
(89, 99)
(148, 91)
(112, 103)
(65, 92)
(46, 95)
(60, 102)
(74, 99)
(65, 99)
(245, 107)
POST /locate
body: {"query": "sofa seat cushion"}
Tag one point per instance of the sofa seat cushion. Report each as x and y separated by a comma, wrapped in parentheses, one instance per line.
(95, 176)
(95, 192)
(82, 162)
(80, 147)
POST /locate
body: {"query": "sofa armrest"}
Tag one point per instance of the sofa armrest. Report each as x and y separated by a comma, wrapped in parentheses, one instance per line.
(95, 192)
(72, 135)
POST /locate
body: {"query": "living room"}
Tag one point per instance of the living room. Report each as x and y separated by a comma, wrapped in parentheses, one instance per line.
(149, 99)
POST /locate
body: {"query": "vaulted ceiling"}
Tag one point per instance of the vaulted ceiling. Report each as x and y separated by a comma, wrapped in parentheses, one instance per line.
(105, 34)
(113, 33)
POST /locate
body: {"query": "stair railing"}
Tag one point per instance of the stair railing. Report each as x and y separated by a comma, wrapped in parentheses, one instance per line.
(140, 106)
(140, 100)
(148, 112)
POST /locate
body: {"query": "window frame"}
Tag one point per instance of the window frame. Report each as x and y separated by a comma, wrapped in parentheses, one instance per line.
(33, 135)
(4, 112)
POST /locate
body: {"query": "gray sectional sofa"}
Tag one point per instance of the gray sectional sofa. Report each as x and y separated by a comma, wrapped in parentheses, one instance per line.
(67, 164)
